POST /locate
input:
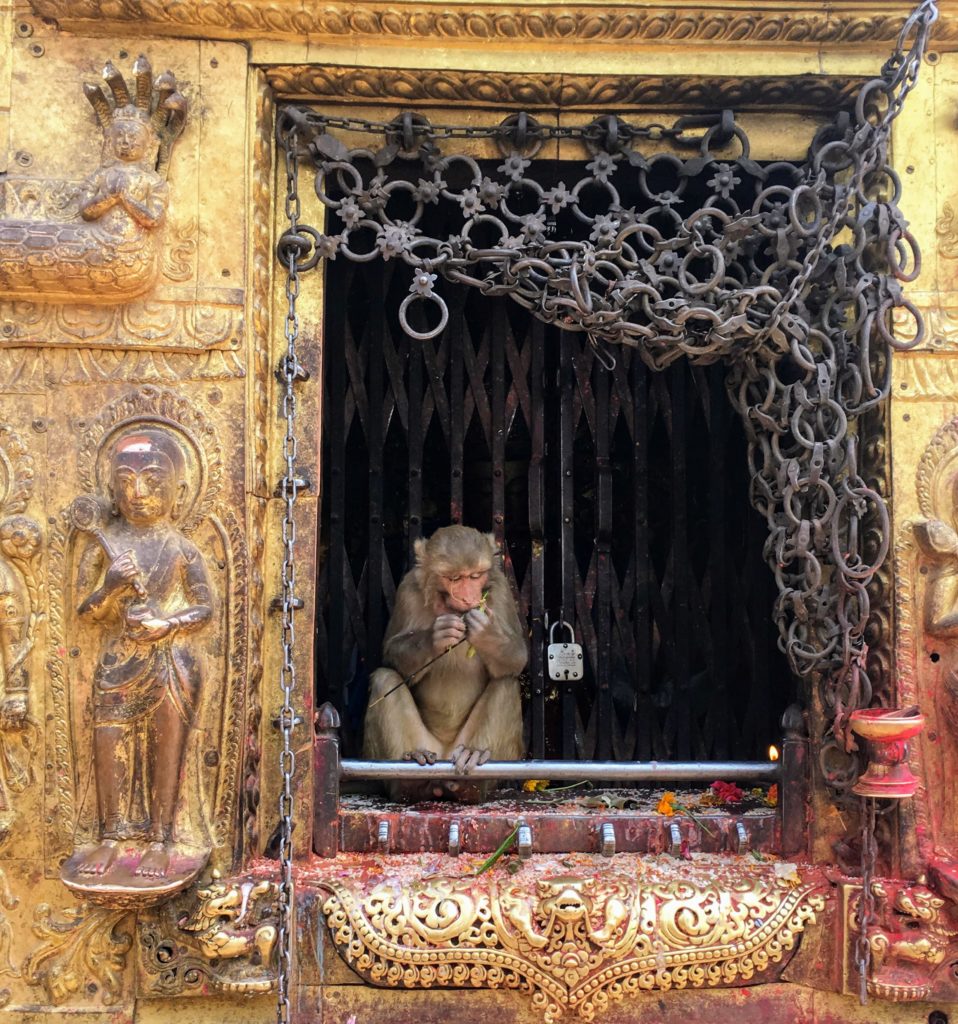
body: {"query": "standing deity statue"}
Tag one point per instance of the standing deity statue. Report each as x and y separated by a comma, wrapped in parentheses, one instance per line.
(938, 543)
(144, 586)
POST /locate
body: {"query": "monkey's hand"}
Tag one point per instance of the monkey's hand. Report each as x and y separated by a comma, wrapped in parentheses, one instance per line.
(478, 623)
(465, 758)
(447, 631)
(420, 756)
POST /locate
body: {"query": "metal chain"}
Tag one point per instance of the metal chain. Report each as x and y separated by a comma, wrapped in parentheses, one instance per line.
(865, 912)
(516, 131)
(291, 248)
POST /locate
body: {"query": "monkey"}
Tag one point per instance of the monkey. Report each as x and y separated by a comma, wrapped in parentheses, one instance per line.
(454, 606)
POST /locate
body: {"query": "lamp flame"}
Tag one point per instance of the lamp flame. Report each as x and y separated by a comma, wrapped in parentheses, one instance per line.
(773, 754)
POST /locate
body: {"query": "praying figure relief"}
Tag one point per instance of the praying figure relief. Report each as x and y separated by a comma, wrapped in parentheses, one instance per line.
(99, 243)
(144, 608)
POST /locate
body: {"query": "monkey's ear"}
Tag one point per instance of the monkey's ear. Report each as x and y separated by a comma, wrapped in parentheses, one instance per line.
(419, 547)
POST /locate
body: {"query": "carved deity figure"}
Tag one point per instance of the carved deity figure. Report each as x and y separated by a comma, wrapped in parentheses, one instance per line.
(144, 585)
(938, 542)
(125, 185)
(110, 253)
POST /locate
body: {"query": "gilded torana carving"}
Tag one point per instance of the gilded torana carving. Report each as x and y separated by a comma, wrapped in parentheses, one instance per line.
(80, 947)
(575, 942)
(618, 23)
(100, 244)
(398, 85)
(910, 938)
(223, 938)
(149, 651)
(143, 323)
(20, 613)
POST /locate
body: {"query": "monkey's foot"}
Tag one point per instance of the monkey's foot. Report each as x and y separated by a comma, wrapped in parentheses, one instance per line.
(99, 859)
(420, 756)
(154, 863)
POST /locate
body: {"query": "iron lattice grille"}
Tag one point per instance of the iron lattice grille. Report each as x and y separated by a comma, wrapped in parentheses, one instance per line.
(620, 500)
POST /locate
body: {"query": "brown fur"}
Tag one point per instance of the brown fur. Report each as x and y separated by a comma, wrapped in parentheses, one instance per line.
(460, 701)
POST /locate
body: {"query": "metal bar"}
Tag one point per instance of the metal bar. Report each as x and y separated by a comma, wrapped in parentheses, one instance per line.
(641, 539)
(571, 771)
(375, 386)
(536, 569)
(681, 573)
(338, 335)
(602, 525)
(414, 439)
(567, 501)
(457, 339)
(498, 326)
(720, 576)
(326, 775)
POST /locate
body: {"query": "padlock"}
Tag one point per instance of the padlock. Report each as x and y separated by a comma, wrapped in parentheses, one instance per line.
(564, 660)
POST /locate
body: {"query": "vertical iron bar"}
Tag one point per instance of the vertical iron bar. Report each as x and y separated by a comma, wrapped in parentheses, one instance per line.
(719, 484)
(414, 442)
(498, 325)
(642, 616)
(536, 338)
(375, 339)
(457, 337)
(567, 350)
(681, 575)
(602, 524)
(337, 336)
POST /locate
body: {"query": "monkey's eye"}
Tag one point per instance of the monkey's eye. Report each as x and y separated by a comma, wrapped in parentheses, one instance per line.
(476, 576)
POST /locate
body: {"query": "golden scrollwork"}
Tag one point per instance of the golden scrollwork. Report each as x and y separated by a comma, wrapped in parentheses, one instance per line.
(21, 603)
(553, 90)
(187, 326)
(575, 942)
(946, 229)
(620, 23)
(224, 940)
(910, 937)
(82, 946)
(107, 250)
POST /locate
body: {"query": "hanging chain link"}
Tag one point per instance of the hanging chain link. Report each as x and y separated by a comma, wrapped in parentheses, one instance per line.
(865, 912)
(290, 249)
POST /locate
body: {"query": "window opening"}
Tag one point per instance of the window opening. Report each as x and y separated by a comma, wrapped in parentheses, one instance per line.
(619, 498)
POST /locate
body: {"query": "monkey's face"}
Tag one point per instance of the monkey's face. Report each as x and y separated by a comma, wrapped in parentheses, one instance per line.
(462, 590)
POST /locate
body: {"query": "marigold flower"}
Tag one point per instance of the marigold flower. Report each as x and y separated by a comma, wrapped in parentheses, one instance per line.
(772, 797)
(665, 805)
(535, 785)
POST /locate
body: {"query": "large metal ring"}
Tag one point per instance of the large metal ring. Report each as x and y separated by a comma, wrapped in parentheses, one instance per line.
(423, 335)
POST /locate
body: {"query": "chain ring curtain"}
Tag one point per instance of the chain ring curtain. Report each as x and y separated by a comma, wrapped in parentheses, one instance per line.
(795, 291)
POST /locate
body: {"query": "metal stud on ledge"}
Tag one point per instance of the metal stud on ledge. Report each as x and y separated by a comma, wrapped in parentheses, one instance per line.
(524, 841)
(454, 847)
(607, 839)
